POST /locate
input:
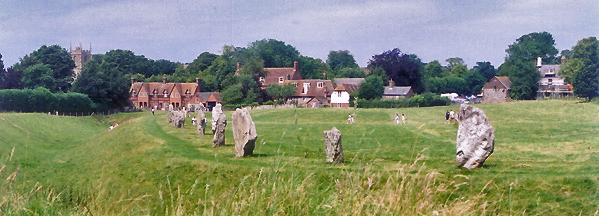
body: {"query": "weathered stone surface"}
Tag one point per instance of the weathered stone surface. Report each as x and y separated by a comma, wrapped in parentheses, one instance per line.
(176, 119)
(219, 131)
(244, 132)
(333, 147)
(216, 112)
(201, 120)
(476, 137)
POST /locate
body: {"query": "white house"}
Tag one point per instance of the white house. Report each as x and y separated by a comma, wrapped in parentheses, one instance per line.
(340, 96)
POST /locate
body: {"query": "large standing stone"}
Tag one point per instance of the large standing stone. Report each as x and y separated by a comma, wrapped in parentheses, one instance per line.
(476, 137)
(216, 112)
(201, 120)
(219, 131)
(333, 148)
(177, 119)
(244, 132)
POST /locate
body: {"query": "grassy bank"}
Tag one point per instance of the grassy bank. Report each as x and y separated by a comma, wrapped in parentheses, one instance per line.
(545, 162)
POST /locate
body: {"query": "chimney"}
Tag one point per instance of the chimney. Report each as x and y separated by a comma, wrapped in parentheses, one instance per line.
(163, 80)
(198, 82)
(539, 62)
(238, 65)
(324, 75)
(295, 66)
(132, 80)
(391, 83)
(563, 59)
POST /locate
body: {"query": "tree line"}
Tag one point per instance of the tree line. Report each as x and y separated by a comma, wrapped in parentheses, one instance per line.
(106, 78)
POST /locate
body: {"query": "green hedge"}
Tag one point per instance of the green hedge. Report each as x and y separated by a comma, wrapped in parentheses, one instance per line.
(42, 100)
(423, 100)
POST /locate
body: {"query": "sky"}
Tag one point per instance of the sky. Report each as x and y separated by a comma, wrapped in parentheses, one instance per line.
(179, 30)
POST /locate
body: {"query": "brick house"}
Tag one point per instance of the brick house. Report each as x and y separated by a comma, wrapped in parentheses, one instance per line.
(312, 92)
(160, 95)
(497, 90)
(280, 75)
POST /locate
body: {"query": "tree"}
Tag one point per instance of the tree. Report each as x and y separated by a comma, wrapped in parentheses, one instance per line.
(201, 63)
(280, 92)
(350, 73)
(372, 88)
(583, 68)
(338, 60)
(274, 53)
(519, 65)
(38, 75)
(402, 68)
(57, 59)
(474, 82)
(455, 61)
(459, 70)
(486, 69)
(433, 69)
(311, 68)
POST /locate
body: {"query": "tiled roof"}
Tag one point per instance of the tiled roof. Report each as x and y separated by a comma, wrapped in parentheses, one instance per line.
(346, 87)
(273, 75)
(545, 69)
(313, 89)
(397, 90)
(505, 81)
(354, 81)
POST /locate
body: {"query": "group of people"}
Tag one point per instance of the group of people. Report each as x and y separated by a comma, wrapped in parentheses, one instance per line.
(450, 117)
(403, 118)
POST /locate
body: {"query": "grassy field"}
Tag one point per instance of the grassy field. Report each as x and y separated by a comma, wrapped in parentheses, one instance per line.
(546, 162)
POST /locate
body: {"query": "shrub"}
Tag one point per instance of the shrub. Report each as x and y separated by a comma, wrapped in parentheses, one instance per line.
(423, 100)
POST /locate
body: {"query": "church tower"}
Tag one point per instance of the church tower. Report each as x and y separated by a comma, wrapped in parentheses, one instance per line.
(80, 56)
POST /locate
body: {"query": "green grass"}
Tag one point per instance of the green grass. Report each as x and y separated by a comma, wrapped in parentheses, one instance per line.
(546, 162)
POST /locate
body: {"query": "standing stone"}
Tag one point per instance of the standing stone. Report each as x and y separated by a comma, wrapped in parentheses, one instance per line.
(332, 146)
(216, 112)
(201, 120)
(244, 132)
(219, 131)
(476, 137)
(177, 119)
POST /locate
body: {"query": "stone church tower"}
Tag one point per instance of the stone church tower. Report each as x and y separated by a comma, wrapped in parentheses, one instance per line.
(80, 56)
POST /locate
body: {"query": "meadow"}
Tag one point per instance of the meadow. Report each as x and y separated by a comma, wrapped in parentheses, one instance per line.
(546, 162)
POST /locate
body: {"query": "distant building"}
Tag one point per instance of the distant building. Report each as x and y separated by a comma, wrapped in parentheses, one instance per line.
(280, 76)
(80, 56)
(497, 90)
(160, 95)
(551, 84)
(393, 92)
(345, 86)
(312, 92)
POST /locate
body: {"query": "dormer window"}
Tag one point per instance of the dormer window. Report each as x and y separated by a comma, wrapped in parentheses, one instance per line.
(319, 84)
(261, 79)
(133, 93)
(306, 87)
(155, 92)
(187, 92)
(165, 93)
(281, 79)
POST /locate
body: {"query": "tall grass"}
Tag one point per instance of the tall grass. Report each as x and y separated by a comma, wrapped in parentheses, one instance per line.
(541, 165)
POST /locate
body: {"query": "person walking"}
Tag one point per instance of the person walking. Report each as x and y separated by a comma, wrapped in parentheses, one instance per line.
(396, 119)
(403, 119)
(152, 110)
(446, 116)
(451, 116)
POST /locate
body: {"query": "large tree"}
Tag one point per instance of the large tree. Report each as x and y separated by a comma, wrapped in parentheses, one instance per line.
(201, 63)
(582, 69)
(455, 61)
(338, 60)
(372, 88)
(519, 65)
(57, 59)
(486, 69)
(274, 53)
(38, 75)
(402, 68)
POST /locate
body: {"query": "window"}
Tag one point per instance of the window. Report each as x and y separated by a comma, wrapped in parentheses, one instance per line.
(133, 93)
(306, 87)
(261, 79)
(143, 94)
(165, 93)
(155, 92)
(550, 80)
(319, 85)
(175, 95)
(294, 84)
(281, 79)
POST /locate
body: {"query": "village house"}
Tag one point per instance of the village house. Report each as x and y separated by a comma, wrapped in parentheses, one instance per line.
(393, 92)
(280, 76)
(345, 86)
(161, 95)
(312, 92)
(497, 90)
(551, 84)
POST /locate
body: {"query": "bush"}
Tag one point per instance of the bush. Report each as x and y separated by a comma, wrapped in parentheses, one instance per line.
(42, 100)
